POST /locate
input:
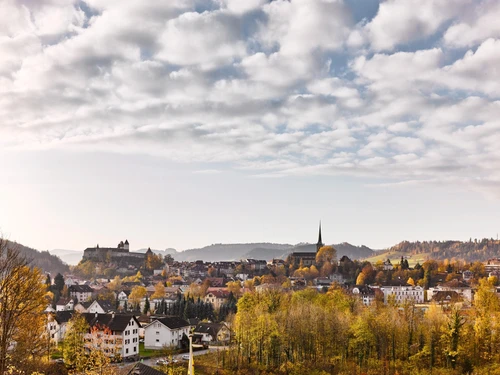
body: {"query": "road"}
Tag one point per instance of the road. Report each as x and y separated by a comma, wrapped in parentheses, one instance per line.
(178, 357)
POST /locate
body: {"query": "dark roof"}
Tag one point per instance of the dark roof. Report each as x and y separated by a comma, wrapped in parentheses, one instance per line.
(80, 289)
(63, 316)
(142, 369)
(173, 322)
(115, 322)
(446, 296)
(211, 328)
(193, 321)
(64, 301)
(304, 254)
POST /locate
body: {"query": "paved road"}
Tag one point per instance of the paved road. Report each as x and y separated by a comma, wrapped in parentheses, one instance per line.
(178, 357)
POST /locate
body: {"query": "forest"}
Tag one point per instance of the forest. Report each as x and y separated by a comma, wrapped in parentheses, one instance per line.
(472, 250)
(333, 333)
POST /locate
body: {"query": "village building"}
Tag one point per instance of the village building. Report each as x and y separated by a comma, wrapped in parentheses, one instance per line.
(165, 332)
(115, 334)
(403, 293)
(211, 333)
(306, 258)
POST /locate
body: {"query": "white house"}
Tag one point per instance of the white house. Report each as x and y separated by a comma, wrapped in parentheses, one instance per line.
(56, 325)
(114, 333)
(403, 293)
(388, 265)
(165, 332)
(206, 333)
(80, 292)
(65, 304)
(364, 293)
(217, 298)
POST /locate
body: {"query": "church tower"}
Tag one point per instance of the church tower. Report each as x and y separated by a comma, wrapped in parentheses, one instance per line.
(320, 243)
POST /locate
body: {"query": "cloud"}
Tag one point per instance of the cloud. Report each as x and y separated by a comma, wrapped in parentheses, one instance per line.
(404, 21)
(476, 25)
(274, 88)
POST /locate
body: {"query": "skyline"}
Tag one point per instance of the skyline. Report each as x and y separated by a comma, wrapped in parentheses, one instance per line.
(197, 122)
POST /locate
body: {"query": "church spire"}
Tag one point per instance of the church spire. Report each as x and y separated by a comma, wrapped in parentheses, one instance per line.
(320, 243)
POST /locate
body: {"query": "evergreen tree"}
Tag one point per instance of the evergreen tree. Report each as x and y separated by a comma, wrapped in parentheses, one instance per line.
(48, 281)
(58, 283)
(146, 306)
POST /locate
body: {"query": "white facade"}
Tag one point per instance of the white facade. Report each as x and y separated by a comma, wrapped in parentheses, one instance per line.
(95, 308)
(125, 343)
(56, 331)
(66, 307)
(402, 294)
(131, 339)
(158, 335)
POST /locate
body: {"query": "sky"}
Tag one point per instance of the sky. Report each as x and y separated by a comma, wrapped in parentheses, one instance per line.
(184, 123)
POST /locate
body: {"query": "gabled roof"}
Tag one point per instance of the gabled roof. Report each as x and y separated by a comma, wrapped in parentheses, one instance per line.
(115, 322)
(142, 369)
(211, 328)
(172, 322)
(64, 301)
(63, 316)
(219, 293)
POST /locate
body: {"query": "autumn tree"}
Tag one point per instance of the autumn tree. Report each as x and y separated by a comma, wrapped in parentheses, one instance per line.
(159, 291)
(22, 300)
(115, 284)
(153, 261)
(74, 342)
(136, 295)
(326, 254)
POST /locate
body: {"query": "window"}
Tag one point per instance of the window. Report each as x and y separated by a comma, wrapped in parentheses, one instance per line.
(126, 351)
(157, 332)
(157, 340)
(135, 348)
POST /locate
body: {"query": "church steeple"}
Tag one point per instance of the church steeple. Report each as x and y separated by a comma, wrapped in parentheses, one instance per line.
(320, 243)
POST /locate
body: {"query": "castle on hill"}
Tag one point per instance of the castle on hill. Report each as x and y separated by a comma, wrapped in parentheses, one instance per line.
(119, 255)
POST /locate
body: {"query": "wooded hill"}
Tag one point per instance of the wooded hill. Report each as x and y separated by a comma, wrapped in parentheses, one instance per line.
(470, 251)
(41, 259)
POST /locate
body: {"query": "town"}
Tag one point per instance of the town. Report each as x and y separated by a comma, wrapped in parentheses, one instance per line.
(153, 303)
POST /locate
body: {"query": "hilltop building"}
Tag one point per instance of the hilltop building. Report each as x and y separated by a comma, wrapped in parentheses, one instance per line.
(119, 255)
(308, 258)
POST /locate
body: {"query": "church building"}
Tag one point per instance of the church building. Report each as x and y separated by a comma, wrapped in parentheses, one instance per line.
(308, 258)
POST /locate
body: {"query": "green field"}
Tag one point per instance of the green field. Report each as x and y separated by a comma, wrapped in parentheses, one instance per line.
(395, 257)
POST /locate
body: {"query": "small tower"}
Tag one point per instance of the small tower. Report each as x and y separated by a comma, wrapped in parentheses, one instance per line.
(126, 245)
(320, 243)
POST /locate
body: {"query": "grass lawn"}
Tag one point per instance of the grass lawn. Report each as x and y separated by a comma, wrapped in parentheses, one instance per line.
(395, 257)
(148, 353)
(56, 351)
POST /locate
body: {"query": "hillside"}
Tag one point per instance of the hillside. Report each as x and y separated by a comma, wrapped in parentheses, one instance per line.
(42, 259)
(218, 252)
(353, 252)
(470, 251)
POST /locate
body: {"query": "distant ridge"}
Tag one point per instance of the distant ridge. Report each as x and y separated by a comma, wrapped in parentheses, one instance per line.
(219, 252)
(266, 251)
(470, 251)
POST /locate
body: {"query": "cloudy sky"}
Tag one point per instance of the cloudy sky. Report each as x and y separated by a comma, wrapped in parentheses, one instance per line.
(183, 123)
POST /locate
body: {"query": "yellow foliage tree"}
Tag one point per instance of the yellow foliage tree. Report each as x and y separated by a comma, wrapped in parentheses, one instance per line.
(136, 295)
(159, 291)
(22, 300)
